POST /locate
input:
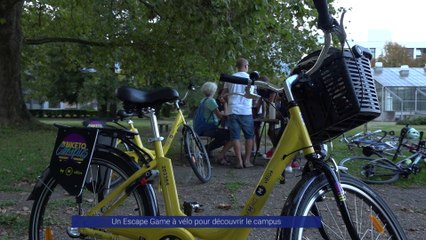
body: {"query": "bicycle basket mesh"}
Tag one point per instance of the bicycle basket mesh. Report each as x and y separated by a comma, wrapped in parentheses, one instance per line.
(340, 96)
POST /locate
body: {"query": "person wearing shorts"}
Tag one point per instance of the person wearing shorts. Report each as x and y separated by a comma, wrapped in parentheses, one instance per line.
(240, 116)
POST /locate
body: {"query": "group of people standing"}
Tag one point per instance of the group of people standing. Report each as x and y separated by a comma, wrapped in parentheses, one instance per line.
(234, 109)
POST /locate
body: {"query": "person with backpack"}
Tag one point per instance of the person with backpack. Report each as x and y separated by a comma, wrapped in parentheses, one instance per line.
(206, 123)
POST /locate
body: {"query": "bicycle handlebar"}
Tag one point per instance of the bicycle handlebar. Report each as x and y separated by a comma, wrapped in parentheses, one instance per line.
(247, 81)
(191, 87)
(234, 79)
(326, 23)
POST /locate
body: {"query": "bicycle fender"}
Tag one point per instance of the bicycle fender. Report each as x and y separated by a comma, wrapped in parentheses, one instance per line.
(148, 189)
(41, 180)
(296, 195)
(46, 174)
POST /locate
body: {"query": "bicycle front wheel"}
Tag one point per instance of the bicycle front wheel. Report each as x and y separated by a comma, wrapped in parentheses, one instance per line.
(197, 155)
(371, 216)
(53, 206)
(371, 170)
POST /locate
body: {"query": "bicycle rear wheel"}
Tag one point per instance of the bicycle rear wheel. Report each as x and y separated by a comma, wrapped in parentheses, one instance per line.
(313, 196)
(197, 155)
(53, 206)
(370, 170)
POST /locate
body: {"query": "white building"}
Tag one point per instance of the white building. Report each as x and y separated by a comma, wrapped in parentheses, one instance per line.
(378, 38)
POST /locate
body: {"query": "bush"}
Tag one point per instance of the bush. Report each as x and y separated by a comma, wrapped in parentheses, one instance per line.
(63, 113)
(167, 110)
(419, 120)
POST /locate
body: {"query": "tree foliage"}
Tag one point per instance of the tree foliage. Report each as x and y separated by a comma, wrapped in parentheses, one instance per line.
(157, 43)
(395, 55)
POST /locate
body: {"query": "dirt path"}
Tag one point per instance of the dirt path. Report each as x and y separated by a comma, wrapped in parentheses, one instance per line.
(230, 186)
(409, 204)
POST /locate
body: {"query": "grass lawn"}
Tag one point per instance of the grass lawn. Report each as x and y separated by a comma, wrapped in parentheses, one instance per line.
(341, 151)
(24, 154)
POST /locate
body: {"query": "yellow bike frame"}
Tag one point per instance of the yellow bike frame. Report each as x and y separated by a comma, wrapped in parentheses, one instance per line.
(294, 138)
(177, 123)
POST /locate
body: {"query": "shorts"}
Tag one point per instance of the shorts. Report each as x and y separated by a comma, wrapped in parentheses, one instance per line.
(236, 123)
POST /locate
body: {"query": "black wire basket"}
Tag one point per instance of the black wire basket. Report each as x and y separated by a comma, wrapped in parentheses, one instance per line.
(339, 96)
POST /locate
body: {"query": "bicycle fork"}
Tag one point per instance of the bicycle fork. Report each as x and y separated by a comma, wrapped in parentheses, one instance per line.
(338, 192)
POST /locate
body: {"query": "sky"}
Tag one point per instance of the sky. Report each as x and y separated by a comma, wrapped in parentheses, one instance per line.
(402, 20)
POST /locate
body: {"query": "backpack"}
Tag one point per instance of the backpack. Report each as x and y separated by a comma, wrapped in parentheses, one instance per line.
(200, 124)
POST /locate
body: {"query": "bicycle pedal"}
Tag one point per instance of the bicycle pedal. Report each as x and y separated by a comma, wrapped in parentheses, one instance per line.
(190, 207)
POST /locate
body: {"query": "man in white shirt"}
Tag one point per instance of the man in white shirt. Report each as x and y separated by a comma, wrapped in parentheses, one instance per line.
(240, 114)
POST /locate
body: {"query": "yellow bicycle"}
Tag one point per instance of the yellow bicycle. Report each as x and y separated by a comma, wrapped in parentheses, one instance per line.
(194, 149)
(348, 208)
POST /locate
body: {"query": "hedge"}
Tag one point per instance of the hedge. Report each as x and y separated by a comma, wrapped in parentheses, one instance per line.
(413, 120)
(63, 113)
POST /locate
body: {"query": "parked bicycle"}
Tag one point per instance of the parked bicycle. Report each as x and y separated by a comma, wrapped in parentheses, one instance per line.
(382, 170)
(380, 141)
(348, 208)
(195, 151)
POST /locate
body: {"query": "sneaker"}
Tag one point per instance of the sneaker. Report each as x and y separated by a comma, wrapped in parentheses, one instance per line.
(295, 164)
(289, 169)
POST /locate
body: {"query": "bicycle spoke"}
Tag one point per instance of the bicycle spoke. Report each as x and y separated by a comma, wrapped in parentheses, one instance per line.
(370, 216)
(52, 210)
(197, 155)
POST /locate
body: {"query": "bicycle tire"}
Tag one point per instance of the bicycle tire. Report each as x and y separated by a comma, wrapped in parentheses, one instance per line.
(371, 170)
(196, 155)
(53, 207)
(313, 197)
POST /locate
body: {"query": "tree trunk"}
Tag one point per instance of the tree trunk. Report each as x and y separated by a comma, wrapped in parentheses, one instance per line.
(12, 107)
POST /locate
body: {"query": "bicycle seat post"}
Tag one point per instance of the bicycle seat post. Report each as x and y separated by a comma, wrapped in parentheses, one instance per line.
(156, 139)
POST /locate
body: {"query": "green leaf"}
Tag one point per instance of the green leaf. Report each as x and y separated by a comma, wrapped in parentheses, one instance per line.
(160, 43)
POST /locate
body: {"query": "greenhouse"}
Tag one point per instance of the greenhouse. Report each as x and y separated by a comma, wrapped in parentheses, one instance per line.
(402, 91)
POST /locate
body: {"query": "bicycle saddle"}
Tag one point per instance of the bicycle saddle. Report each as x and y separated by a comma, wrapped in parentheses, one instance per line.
(146, 98)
